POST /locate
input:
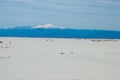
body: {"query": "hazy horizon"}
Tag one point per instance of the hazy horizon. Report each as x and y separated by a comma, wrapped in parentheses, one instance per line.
(81, 14)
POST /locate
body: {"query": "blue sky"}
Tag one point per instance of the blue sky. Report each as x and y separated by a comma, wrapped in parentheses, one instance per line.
(83, 14)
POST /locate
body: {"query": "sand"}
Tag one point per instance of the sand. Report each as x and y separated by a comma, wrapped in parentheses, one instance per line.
(59, 59)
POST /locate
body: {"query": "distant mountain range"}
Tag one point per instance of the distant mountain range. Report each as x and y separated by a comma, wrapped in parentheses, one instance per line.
(59, 33)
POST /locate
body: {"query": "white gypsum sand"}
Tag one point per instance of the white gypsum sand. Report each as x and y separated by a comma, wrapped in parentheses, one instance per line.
(59, 59)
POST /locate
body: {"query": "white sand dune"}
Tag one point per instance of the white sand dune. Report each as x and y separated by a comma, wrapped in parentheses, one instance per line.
(59, 59)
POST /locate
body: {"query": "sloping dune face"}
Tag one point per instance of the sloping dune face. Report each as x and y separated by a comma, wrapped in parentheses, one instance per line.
(59, 59)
